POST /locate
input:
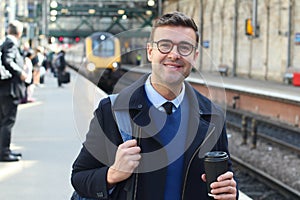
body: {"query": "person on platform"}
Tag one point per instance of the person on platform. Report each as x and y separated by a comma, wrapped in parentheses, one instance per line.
(60, 64)
(12, 90)
(28, 56)
(163, 156)
(138, 59)
(38, 68)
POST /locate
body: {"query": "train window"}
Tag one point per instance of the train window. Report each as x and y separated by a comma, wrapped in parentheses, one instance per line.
(103, 48)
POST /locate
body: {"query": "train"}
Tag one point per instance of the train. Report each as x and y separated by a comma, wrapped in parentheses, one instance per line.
(98, 57)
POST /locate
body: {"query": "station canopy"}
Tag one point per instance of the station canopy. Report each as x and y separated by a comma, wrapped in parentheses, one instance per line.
(79, 18)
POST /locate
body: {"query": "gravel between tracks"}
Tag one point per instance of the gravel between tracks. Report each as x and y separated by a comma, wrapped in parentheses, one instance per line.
(277, 162)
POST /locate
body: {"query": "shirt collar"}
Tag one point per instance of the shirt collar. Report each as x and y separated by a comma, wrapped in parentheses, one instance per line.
(157, 100)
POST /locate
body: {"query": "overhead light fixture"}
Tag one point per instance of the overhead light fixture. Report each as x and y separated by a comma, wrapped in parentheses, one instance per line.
(124, 17)
(92, 11)
(151, 3)
(53, 12)
(64, 10)
(121, 12)
(148, 12)
(53, 4)
(53, 18)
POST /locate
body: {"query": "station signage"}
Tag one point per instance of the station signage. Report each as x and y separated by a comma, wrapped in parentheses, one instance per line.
(297, 39)
(205, 44)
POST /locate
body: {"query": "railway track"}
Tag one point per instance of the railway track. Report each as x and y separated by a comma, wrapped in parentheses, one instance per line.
(260, 185)
(257, 127)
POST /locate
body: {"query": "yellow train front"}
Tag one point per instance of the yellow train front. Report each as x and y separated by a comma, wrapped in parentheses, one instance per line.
(98, 58)
(102, 52)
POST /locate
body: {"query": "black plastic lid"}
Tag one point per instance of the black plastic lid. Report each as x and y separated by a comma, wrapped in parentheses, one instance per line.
(216, 156)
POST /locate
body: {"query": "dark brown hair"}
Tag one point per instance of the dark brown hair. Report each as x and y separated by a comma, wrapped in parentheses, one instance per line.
(175, 19)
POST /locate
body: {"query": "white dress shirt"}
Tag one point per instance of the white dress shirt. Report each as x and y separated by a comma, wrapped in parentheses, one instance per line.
(157, 100)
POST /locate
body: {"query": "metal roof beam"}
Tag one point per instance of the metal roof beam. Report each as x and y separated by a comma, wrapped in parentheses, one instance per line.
(99, 11)
(136, 13)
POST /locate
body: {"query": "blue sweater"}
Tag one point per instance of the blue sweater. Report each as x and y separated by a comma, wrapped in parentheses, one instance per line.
(173, 138)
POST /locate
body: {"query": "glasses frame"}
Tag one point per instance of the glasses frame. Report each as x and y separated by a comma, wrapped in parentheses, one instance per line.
(173, 44)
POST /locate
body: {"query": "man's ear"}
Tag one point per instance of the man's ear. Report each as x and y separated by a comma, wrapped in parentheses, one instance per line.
(196, 53)
(149, 52)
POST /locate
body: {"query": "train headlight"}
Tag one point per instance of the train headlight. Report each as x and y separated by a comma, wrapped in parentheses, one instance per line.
(115, 65)
(91, 67)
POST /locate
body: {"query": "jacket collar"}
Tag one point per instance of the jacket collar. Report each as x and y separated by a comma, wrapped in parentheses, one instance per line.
(130, 98)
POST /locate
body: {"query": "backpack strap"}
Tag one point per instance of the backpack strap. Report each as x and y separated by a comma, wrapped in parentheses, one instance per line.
(124, 124)
(123, 120)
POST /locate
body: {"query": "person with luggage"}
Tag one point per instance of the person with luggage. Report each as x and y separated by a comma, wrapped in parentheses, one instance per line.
(162, 157)
(60, 64)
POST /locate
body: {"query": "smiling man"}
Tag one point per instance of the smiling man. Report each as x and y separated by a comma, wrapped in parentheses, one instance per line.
(170, 120)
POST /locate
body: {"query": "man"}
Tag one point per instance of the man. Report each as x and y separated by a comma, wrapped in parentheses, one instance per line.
(12, 90)
(164, 159)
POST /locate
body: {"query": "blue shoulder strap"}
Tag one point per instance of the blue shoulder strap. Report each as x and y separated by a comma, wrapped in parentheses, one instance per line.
(123, 120)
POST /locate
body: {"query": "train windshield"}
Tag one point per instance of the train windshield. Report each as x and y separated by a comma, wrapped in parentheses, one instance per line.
(103, 48)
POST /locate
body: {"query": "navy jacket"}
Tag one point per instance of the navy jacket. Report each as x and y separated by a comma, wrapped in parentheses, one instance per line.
(98, 151)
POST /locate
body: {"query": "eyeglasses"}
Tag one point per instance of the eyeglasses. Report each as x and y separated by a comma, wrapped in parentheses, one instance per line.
(166, 46)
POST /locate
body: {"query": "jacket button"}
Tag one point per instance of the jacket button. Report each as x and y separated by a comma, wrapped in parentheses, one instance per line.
(100, 194)
(140, 106)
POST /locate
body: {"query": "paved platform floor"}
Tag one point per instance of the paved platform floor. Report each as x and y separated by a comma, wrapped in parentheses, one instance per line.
(46, 133)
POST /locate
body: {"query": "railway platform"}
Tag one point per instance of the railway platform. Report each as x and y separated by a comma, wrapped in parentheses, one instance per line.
(259, 87)
(47, 134)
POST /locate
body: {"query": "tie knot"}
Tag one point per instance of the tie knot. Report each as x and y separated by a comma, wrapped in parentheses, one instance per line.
(168, 106)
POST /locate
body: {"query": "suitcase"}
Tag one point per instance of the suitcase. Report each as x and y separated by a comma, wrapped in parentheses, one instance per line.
(64, 77)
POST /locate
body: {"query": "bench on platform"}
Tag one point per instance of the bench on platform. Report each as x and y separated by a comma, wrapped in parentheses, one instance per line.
(288, 78)
(289, 75)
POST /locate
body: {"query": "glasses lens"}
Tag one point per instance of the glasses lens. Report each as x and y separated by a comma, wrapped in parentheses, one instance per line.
(164, 46)
(185, 48)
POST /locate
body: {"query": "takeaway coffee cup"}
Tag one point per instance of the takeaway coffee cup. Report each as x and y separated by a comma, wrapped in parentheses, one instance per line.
(215, 164)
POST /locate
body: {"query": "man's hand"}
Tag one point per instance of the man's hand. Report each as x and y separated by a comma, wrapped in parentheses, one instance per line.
(224, 187)
(126, 161)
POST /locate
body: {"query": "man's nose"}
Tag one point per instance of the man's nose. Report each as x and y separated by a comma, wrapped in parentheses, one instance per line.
(174, 52)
